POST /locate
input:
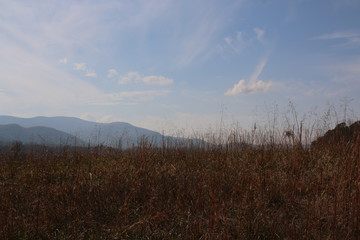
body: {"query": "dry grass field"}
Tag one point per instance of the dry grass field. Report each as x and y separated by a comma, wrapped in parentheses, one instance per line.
(182, 191)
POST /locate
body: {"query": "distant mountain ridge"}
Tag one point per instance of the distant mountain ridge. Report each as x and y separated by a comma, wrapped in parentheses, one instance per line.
(37, 135)
(93, 133)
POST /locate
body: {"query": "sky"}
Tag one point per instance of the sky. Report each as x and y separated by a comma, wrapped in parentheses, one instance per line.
(170, 65)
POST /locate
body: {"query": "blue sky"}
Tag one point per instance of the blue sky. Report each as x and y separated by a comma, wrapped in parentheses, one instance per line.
(172, 65)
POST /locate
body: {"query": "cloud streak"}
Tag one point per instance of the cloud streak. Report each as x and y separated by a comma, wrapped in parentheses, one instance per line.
(236, 44)
(76, 26)
(350, 38)
(136, 77)
(197, 39)
(138, 95)
(254, 85)
(47, 28)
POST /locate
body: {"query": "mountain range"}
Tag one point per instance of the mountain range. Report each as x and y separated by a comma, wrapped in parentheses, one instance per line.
(71, 131)
(37, 135)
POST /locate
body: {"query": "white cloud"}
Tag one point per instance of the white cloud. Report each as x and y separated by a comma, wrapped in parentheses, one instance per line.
(90, 73)
(238, 42)
(259, 34)
(196, 39)
(53, 29)
(30, 81)
(84, 68)
(149, 80)
(228, 41)
(29, 85)
(157, 80)
(259, 68)
(349, 38)
(63, 60)
(112, 73)
(75, 27)
(235, 44)
(254, 85)
(337, 35)
(130, 77)
(80, 66)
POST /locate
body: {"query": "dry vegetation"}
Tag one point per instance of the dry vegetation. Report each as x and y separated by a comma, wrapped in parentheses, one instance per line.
(182, 191)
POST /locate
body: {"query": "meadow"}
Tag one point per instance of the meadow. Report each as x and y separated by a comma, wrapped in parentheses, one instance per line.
(247, 187)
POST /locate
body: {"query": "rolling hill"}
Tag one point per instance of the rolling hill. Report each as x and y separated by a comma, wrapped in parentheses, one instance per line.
(37, 135)
(93, 133)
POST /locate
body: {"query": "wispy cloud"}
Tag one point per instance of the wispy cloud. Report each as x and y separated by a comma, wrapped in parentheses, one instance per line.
(130, 77)
(197, 43)
(112, 73)
(33, 82)
(80, 66)
(29, 82)
(90, 73)
(254, 85)
(63, 60)
(241, 40)
(337, 35)
(260, 34)
(349, 67)
(149, 80)
(157, 80)
(76, 26)
(197, 39)
(349, 38)
(56, 28)
(138, 95)
(84, 68)
(236, 43)
(346, 71)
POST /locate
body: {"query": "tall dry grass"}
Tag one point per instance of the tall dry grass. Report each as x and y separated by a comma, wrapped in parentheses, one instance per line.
(184, 190)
